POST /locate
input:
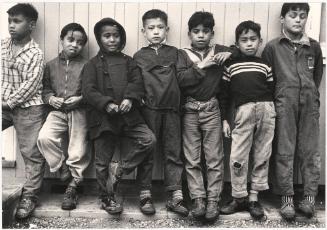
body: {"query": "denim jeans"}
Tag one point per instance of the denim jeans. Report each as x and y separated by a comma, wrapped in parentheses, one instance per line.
(254, 129)
(27, 123)
(73, 127)
(138, 141)
(202, 131)
(166, 125)
(297, 135)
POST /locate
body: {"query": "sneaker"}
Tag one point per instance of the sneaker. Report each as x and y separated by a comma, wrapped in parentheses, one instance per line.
(307, 208)
(115, 175)
(212, 211)
(146, 206)
(177, 206)
(256, 210)
(70, 199)
(65, 173)
(25, 208)
(287, 210)
(198, 207)
(235, 205)
(111, 206)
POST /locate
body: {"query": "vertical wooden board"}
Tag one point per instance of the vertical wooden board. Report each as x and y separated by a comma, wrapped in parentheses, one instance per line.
(66, 14)
(246, 11)
(131, 27)
(94, 17)
(232, 18)
(274, 26)
(260, 16)
(187, 10)
(52, 32)
(161, 6)
(174, 22)
(38, 33)
(203, 6)
(313, 23)
(218, 11)
(108, 10)
(120, 13)
(143, 7)
(81, 11)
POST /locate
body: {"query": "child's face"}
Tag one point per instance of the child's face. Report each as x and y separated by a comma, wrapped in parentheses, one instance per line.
(19, 26)
(155, 30)
(249, 42)
(200, 37)
(294, 21)
(110, 38)
(73, 43)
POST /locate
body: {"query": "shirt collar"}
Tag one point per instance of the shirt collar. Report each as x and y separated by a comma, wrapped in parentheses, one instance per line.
(152, 46)
(303, 41)
(64, 58)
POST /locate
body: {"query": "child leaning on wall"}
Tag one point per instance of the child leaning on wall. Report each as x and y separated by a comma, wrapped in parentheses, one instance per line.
(113, 88)
(161, 108)
(297, 64)
(22, 105)
(62, 91)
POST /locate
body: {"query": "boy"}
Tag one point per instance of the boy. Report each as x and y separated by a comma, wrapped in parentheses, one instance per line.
(113, 88)
(248, 80)
(62, 87)
(22, 105)
(199, 72)
(297, 63)
(161, 107)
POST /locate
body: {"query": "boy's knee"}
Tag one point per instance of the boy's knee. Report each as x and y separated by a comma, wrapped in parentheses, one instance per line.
(149, 141)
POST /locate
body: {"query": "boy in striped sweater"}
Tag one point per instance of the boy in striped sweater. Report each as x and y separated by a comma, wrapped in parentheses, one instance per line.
(248, 80)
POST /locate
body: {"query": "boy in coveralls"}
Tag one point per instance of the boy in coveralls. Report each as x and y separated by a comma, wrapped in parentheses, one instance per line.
(113, 88)
(296, 61)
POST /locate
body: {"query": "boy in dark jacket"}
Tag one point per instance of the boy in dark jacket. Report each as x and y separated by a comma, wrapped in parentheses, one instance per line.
(297, 63)
(161, 110)
(113, 88)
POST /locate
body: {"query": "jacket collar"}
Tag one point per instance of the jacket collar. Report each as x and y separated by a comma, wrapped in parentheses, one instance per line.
(303, 41)
(63, 57)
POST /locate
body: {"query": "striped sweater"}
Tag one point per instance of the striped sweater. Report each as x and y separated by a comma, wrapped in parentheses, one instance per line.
(246, 79)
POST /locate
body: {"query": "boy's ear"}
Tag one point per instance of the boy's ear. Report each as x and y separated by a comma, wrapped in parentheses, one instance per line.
(32, 25)
(167, 28)
(236, 44)
(260, 41)
(143, 31)
(282, 19)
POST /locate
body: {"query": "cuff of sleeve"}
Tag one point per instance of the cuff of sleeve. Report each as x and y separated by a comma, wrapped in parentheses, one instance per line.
(198, 70)
(11, 104)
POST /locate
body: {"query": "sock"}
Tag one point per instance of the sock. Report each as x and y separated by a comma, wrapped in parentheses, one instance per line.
(287, 199)
(177, 195)
(310, 198)
(253, 195)
(145, 194)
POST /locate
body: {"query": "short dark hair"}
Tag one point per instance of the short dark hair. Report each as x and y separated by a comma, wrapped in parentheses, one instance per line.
(294, 6)
(245, 27)
(73, 27)
(201, 18)
(155, 13)
(26, 9)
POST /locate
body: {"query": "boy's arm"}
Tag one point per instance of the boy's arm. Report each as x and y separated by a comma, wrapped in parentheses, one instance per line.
(47, 88)
(90, 90)
(29, 87)
(188, 73)
(224, 95)
(267, 55)
(318, 70)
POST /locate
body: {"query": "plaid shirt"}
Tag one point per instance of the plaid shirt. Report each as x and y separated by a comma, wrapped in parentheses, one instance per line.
(21, 81)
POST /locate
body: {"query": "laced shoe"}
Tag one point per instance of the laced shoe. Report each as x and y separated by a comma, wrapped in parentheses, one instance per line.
(256, 210)
(111, 206)
(25, 208)
(198, 207)
(307, 207)
(212, 211)
(287, 210)
(147, 207)
(177, 206)
(70, 199)
(235, 205)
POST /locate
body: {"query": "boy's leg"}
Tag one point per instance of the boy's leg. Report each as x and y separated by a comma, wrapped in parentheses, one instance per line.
(214, 155)
(192, 151)
(7, 119)
(28, 122)
(50, 139)
(262, 147)
(78, 148)
(308, 148)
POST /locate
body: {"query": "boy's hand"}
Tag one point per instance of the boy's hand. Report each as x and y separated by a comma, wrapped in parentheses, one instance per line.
(226, 129)
(112, 108)
(72, 101)
(125, 106)
(221, 57)
(5, 106)
(207, 62)
(56, 102)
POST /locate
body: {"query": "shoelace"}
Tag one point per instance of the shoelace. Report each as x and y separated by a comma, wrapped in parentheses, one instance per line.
(25, 203)
(69, 193)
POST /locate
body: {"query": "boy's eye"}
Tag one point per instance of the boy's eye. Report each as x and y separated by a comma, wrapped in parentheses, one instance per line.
(195, 31)
(303, 16)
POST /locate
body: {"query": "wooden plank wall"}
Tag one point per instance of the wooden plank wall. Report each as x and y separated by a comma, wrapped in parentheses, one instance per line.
(53, 16)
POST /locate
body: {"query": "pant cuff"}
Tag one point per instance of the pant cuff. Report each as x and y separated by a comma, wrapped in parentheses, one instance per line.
(239, 194)
(259, 187)
(173, 188)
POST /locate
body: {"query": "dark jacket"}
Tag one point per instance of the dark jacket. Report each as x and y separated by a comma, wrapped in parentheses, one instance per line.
(62, 78)
(111, 77)
(159, 77)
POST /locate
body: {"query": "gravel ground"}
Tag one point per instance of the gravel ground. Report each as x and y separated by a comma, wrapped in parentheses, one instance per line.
(59, 222)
